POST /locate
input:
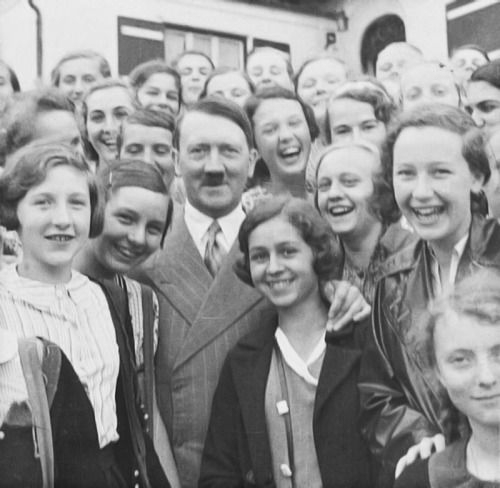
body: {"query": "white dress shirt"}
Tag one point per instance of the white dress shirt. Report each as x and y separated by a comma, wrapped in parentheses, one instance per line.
(198, 224)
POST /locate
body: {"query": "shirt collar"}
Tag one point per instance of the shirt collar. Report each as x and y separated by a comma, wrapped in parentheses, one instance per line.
(198, 224)
(295, 362)
(456, 255)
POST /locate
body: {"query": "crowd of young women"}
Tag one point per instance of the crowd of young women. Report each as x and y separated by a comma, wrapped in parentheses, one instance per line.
(390, 183)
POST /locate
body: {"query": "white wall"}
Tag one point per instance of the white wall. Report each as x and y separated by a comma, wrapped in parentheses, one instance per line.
(425, 23)
(92, 24)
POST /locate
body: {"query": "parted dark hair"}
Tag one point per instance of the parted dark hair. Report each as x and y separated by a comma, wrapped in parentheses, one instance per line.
(382, 203)
(148, 118)
(176, 61)
(367, 90)
(278, 92)
(104, 69)
(22, 111)
(448, 118)
(14, 80)
(490, 73)
(29, 168)
(313, 229)
(219, 107)
(135, 173)
(224, 71)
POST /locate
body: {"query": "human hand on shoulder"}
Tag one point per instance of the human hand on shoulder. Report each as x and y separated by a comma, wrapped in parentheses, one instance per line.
(346, 304)
(422, 450)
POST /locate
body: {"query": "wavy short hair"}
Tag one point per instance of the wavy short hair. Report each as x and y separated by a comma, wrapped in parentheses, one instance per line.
(367, 90)
(278, 92)
(318, 57)
(135, 173)
(452, 119)
(104, 68)
(312, 228)
(29, 168)
(382, 203)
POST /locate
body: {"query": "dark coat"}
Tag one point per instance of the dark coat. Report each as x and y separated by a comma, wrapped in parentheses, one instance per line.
(237, 449)
(401, 403)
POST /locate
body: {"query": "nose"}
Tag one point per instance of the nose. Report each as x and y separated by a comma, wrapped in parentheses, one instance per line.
(213, 163)
(137, 235)
(148, 156)
(485, 373)
(334, 192)
(274, 265)
(60, 215)
(78, 87)
(422, 189)
(285, 132)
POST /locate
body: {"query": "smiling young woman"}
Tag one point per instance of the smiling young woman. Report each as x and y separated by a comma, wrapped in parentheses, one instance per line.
(284, 392)
(49, 196)
(437, 161)
(460, 348)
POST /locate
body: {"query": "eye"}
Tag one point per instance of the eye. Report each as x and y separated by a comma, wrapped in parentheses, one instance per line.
(42, 202)
(413, 94)
(405, 173)
(162, 149)
(295, 122)
(385, 67)
(369, 125)
(155, 230)
(96, 117)
(229, 150)
(288, 251)
(186, 71)
(324, 184)
(342, 130)
(125, 219)
(258, 256)
(89, 79)
(276, 70)
(69, 80)
(198, 152)
(153, 92)
(133, 149)
(204, 71)
(173, 96)
(460, 360)
(441, 172)
(488, 106)
(349, 181)
(308, 83)
(269, 129)
(439, 90)
(121, 113)
(256, 71)
(78, 202)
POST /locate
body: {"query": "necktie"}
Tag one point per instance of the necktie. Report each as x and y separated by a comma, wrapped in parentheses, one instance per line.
(214, 252)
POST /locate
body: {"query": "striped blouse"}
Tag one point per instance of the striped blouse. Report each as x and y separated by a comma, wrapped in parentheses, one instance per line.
(76, 317)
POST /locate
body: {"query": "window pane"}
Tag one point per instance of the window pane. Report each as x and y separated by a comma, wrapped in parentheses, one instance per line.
(202, 43)
(230, 53)
(175, 43)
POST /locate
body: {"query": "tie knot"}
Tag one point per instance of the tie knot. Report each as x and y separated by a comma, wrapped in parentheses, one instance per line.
(214, 229)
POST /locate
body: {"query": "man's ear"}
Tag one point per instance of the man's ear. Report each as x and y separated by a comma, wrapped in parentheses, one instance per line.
(253, 156)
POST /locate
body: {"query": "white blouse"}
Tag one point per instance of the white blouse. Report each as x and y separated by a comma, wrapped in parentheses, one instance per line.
(76, 317)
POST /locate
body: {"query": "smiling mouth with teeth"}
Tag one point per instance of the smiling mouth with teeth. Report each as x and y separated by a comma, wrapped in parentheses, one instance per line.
(60, 238)
(339, 211)
(427, 213)
(279, 284)
(290, 152)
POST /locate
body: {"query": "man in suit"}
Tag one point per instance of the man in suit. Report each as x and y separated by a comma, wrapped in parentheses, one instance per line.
(204, 308)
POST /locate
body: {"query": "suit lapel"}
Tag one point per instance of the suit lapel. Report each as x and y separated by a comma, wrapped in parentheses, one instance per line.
(179, 273)
(226, 300)
(337, 365)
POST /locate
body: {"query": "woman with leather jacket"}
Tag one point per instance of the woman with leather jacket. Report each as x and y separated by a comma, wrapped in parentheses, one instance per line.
(436, 160)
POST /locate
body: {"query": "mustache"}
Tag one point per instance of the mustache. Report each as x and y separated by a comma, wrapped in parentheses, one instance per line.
(213, 179)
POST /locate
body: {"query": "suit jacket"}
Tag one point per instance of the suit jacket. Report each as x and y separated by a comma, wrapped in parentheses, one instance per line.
(237, 450)
(201, 319)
